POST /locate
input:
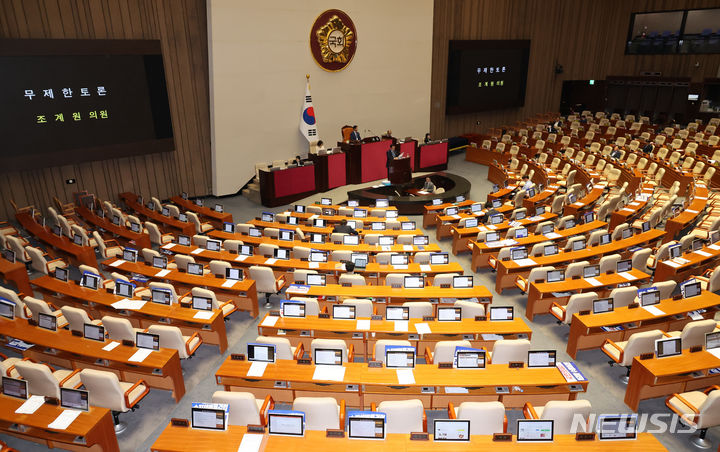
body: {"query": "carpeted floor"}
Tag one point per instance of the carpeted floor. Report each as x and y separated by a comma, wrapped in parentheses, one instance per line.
(605, 391)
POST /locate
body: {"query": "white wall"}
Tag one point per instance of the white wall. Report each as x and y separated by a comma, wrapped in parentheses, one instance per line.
(259, 55)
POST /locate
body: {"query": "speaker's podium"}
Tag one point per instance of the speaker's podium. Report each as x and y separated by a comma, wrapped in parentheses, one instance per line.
(399, 171)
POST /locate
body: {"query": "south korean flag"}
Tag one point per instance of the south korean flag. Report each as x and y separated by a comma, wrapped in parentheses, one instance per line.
(308, 125)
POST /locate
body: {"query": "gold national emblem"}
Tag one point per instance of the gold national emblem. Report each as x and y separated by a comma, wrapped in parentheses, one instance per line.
(333, 40)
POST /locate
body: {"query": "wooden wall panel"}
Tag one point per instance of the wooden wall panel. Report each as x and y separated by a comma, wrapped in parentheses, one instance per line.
(586, 37)
(181, 26)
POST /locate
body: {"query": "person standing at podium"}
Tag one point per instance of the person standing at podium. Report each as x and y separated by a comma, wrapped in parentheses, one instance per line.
(355, 135)
(392, 154)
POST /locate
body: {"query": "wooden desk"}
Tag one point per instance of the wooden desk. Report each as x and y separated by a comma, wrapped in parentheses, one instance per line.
(184, 439)
(98, 303)
(461, 236)
(631, 210)
(542, 198)
(337, 207)
(361, 248)
(374, 271)
(243, 294)
(138, 240)
(673, 226)
(445, 223)
(388, 294)
(159, 370)
(431, 157)
(366, 160)
(541, 298)
(280, 186)
(657, 377)
(77, 254)
(328, 230)
(92, 430)
(508, 271)
(285, 380)
(587, 202)
(481, 251)
(697, 263)
(216, 218)
(479, 333)
(17, 274)
(175, 226)
(586, 331)
(430, 211)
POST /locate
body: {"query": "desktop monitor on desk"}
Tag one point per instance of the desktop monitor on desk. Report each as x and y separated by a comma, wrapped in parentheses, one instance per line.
(624, 266)
(360, 260)
(668, 347)
(540, 210)
(286, 423)
(399, 259)
(521, 233)
(343, 311)
(414, 282)
(61, 274)
(421, 240)
(292, 308)
(7, 309)
(712, 340)
(353, 203)
(459, 198)
(617, 426)
(78, 240)
(492, 237)
(520, 215)
(535, 430)
(366, 425)
(399, 357)
(518, 253)
(94, 332)
(382, 203)
(268, 217)
(471, 223)
(90, 281)
(588, 217)
(318, 256)
(202, 303)
(130, 255)
(74, 399)
(159, 262)
(292, 221)
(397, 313)
(286, 235)
(690, 288)
(407, 225)
(675, 251)
(469, 358)
(550, 250)
(377, 225)
(219, 208)
(147, 340)
(195, 269)
(626, 233)
(591, 271)
(439, 258)
(254, 232)
(578, 245)
(160, 296)
(235, 274)
(183, 217)
(555, 275)
(449, 314)
(9, 255)
(499, 313)
(602, 305)
(281, 253)
(496, 219)
(183, 240)
(47, 321)
(213, 245)
(229, 227)
(542, 358)
(451, 430)
(359, 213)
(314, 279)
(462, 282)
(299, 208)
(246, 250)
(15, 387)
(477, 207)
(437, 202)
(209, 416)
(496, 203)
(451, 211)
(569, 224)
(605, 239)
(547, 229)
(328, 357)
(325, 202)
(351, 239)
(391, 214)
(649, 296)
(261, 352)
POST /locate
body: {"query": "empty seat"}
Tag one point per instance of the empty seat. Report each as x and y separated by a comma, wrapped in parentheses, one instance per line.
(43, 380)
(244, 408)
(107, 391)
(404, 416)
(171, 337)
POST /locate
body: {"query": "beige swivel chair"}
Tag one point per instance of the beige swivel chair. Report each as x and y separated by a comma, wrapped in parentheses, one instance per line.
(218, 268)
(119, 329)
(228, 307)
(283, 349)
(444, 279)
(107, 248)
(43, 380)
(40, 264)
(37, 306)
(300, 275)
(156, 237)
(266, 282)
(15, 244)
(311, 305)
(577, 303)
(182, 261)
(171, 337)
(148, 255)
(200, 240)
(623, 296)
(321, 413)
(444, 351)
(267, 249)
(77, 318)
(470, 309)
(363, 308)
(535, 275)
(383, 258)
(21, 311)
(622, 353)
(486, 418)
(395, 279)
(697, 409)
(710, 280)
(693, 334)
(147, 291)
(301, 252)
(509, 350)
(351, 279)
(244, 408)
(563, 413)
(609, 263)
(403, 416)
(419, 309)
(229, 245)
(107, 391)
(200, 227)
(7, 367)
(340, 255)
(378, 353)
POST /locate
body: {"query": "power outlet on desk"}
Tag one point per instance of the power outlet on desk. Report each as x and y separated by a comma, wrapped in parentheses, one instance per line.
(428, 390)
(357, 335)
(280, 384)
(413, 337)
(305, 333)
(576, 388)
(352, 388)
(468, 337)
(70, 181)
(80, 440)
